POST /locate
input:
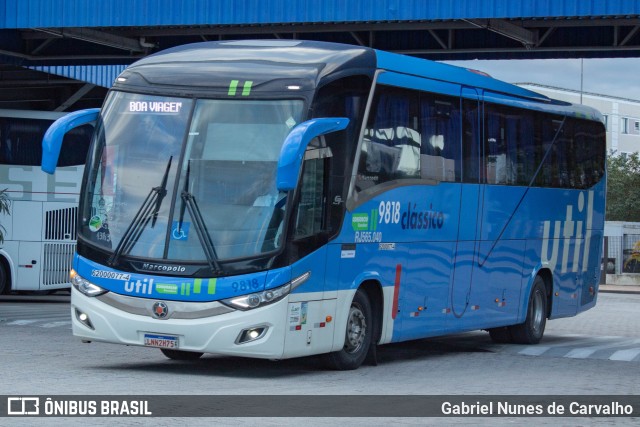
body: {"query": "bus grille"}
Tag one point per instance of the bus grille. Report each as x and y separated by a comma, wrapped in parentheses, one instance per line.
(58, 260)
(60, 224)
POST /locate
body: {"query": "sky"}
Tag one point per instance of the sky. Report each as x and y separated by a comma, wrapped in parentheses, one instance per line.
(618, 77)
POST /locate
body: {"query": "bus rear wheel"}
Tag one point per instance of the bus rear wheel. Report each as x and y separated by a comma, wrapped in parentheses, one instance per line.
(180, 354)
(531, 331)
(358, 334)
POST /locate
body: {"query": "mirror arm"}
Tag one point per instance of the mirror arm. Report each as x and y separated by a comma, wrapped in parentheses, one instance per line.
(292, 153)
(52, 140)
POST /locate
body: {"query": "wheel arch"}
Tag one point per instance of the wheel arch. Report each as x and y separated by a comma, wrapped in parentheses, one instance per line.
(373, 290)
(369, 282)
(6, 264)
(547, 277)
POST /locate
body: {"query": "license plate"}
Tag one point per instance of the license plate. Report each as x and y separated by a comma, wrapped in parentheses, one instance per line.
(160, 341)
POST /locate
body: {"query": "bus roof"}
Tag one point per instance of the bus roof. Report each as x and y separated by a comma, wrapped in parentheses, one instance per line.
(450, 73)
(260, 61)
(311, 62)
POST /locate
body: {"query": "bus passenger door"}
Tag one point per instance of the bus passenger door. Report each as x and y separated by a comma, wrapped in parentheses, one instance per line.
(307, 331)
(466, 247)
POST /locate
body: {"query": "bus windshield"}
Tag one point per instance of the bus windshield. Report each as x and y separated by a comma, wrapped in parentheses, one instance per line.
(187, 180)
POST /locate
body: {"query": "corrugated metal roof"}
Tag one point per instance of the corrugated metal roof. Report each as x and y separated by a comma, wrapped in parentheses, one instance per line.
(100, 75)
(114, 13)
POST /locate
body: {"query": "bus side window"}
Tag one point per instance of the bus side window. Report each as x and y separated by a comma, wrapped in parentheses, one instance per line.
(22, 141)
(470, 141)
(440, 128)
(392, 142)
(589, 141)
(549, 175)
(503, 141)
(575, 159)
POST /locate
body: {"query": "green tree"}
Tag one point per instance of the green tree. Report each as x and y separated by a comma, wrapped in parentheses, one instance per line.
(623, 187)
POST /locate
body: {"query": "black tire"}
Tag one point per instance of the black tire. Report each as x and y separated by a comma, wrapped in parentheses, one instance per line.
(358, 335)
(180, 354)
(531, 331)
(501, 335)
(4, 279)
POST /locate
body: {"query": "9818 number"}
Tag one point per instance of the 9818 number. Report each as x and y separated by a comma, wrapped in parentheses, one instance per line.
(389, 212)
(245, 285)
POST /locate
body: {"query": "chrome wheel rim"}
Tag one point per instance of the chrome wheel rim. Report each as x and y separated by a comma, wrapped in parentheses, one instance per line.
(356, 330)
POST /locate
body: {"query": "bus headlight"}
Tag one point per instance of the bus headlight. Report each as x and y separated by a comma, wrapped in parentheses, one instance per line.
(248, 302)
(260, 299)
(84, 286)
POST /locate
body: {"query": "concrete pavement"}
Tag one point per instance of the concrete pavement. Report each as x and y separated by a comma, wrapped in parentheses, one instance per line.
(620, 289)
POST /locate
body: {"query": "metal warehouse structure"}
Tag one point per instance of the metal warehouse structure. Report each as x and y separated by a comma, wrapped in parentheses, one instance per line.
(62, 54)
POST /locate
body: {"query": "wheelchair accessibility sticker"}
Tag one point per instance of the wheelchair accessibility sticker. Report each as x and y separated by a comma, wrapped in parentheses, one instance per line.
(180, 233)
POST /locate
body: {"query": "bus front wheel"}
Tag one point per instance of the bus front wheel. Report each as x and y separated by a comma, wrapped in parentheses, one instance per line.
(180, 354)
(358, 333)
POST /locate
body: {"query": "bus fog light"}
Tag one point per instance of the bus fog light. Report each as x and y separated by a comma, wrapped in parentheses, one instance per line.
(251, 334)
(84, 319)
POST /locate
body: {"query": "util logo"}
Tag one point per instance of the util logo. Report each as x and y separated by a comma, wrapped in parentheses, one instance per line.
(565, 231)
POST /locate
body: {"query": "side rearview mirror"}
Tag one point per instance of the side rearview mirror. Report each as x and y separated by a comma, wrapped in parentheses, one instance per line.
(52, 140)
(292, 152)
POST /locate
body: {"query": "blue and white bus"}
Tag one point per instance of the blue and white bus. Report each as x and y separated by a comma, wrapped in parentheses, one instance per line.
(276, 199)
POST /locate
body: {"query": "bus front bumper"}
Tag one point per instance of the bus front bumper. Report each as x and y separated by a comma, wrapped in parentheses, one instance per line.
(253, 333)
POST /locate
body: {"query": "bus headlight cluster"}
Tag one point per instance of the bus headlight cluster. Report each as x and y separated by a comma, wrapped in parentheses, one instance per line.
(248, 302)
(84, 286)
(260, 299)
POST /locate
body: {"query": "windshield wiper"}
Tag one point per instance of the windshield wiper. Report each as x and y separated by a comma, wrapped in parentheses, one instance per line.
(189, 201)
(148, 211)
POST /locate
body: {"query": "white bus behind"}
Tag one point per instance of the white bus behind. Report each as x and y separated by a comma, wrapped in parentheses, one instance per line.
(40, 232)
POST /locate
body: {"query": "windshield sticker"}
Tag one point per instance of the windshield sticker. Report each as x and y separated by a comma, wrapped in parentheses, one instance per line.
(158, 107)
(95, 223)
(178, 232)
(290, 122)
